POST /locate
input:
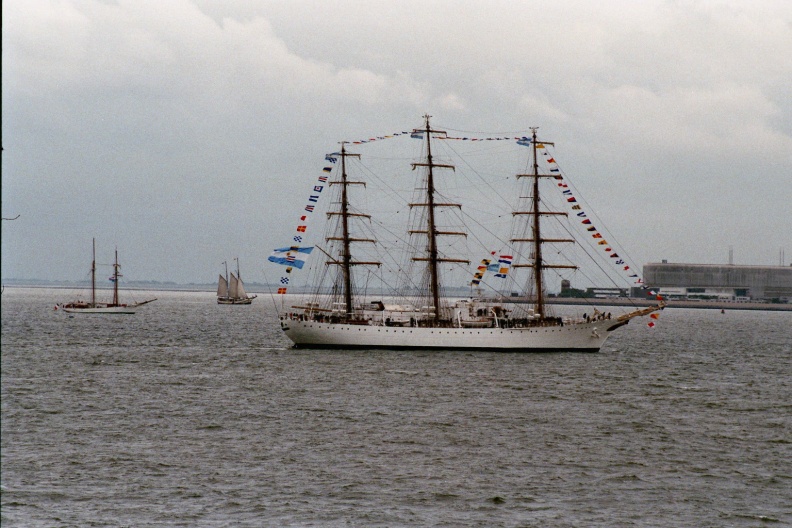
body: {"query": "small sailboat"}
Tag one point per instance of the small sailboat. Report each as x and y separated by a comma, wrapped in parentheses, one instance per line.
(95, 307)
(420, 312)
(232, 291)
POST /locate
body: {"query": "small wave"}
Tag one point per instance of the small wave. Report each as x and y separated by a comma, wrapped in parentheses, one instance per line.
(762, 518)
(445, 496)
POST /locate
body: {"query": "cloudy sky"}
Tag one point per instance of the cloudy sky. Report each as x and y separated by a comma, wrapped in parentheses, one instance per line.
(186, 132)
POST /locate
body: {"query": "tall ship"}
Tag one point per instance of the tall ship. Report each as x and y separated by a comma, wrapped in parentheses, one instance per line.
(415, 308)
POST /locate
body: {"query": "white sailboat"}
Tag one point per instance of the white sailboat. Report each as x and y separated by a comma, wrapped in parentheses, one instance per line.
(334, 315)
(96, 307)
(232, 291)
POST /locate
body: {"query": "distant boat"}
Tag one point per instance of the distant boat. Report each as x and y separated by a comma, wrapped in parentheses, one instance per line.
(232, 291)
(94, 307)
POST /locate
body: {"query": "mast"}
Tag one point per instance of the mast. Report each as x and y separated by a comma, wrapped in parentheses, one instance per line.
(431, 228)
(115, 279)
(93, 275)
(346, 239)
(347, 255)
(239, 275)
(538, 264)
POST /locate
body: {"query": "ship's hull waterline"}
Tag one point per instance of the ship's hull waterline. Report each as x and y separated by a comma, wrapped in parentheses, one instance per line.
(102, 310)
(248, 300)
(580, 337)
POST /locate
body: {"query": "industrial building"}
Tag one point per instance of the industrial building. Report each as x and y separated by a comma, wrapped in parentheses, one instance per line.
(720, 281)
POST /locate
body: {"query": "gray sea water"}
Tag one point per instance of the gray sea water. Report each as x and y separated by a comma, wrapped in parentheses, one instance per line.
(193, 414)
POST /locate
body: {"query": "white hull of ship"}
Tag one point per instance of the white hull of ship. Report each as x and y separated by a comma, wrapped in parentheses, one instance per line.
(247, 300)
(582, 337)
(102, 310)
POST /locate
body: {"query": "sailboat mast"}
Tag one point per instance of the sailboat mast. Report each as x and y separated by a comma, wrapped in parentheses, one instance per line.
(239, 275)
(115, 279)
(537, 238)
(93, 275)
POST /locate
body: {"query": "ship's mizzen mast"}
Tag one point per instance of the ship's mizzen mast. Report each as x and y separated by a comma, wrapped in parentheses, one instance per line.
(346, 261)
(432, 233)
(538, 264)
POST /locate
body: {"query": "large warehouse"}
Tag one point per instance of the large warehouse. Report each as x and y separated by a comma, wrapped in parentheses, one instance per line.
(720, 281)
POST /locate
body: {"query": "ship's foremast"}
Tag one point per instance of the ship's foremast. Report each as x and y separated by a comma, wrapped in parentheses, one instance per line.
(537, 264)
(539, 282)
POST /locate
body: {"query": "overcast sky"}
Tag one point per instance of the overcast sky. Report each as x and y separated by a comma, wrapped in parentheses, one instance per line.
(186, 132)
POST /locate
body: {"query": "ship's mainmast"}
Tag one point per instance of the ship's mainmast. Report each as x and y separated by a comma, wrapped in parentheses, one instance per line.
(431, 229)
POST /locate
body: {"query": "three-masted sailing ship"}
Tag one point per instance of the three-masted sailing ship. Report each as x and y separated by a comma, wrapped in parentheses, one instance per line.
(335, 317)
(93, 306)
(232, 290)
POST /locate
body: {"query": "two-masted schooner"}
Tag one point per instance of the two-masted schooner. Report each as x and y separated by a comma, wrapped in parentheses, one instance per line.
(93, 306)
(332, 316)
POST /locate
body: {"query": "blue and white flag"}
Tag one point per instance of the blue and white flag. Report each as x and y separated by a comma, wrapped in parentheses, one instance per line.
(290, 256)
